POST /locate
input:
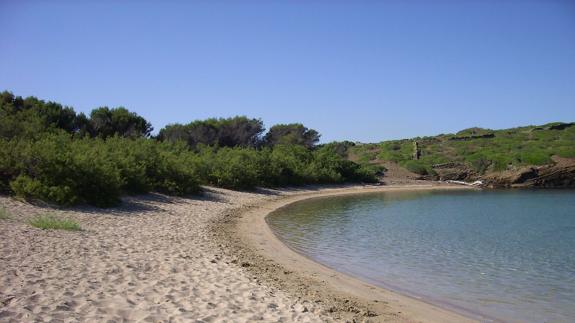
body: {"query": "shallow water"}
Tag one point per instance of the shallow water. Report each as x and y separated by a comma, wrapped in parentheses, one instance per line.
(507, 255)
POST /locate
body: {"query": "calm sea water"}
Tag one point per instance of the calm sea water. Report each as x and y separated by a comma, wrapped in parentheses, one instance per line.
(506, 255)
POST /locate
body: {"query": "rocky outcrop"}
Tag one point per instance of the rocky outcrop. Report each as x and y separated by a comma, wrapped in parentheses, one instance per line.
(559, 175)
(454, 172)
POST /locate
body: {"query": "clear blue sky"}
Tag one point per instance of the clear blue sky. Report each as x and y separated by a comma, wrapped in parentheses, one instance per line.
(357, 70)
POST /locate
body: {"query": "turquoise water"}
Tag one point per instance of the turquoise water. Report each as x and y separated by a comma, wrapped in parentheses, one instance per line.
(502, 255)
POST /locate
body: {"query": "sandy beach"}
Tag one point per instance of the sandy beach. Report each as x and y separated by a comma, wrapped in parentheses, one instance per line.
(345, 298)
(165, 259)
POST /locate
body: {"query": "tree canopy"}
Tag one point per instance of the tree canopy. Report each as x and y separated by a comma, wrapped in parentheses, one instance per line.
(30, 117)
(293, 133)
(106, 122)
(50, 152)
(238, 131)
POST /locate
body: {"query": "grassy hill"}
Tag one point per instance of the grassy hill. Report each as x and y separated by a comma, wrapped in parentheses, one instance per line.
(477, 149)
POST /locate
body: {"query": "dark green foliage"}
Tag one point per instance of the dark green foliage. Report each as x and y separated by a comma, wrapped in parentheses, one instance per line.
(147, 165)
(328, 167)
(289, 165)
(246, 168)
(175, 133)
(239, 131)
(59, 169)
(340, 147)
(105, 122)
(235, 168)
(32, 118)
(230, 132)
(292, 134)
(49, 152)
(67, 171)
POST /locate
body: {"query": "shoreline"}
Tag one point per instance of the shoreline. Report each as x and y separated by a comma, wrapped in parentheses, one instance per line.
(162, 258)
(248, 235)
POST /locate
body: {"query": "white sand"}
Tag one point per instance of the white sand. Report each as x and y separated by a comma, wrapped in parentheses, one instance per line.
(150, 260)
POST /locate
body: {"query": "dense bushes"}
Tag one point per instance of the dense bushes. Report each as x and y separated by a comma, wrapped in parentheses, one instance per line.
(236, 168)
(66, 170)
(289, 165)
(244, 168)
(49, 152)
(61, 170)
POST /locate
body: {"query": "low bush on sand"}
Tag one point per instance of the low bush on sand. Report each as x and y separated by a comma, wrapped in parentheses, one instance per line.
(4, 214)
(52, 222)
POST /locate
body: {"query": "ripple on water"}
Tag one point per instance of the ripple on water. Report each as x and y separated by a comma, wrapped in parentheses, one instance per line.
(504, 254)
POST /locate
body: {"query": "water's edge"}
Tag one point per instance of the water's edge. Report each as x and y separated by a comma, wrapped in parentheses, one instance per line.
(345, 296)
(378, 284)
(470, 307)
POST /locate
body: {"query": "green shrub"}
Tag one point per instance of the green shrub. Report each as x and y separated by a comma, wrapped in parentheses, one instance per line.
(288, 165)
(235, 168)
(329, 167)
(4, 214)
(146, 165)
(51, 222)
(416, 167)
(176, 171)
(324, 167)
(479, 163)
(64, 171)
(27, 187)
(566, 151)
(535, 157)
(366, 173)
(7, 165)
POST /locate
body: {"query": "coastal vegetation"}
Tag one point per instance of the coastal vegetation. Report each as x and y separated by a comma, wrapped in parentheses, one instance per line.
(51, 222)
(481, 150)
(4, 214)
(50, 152)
